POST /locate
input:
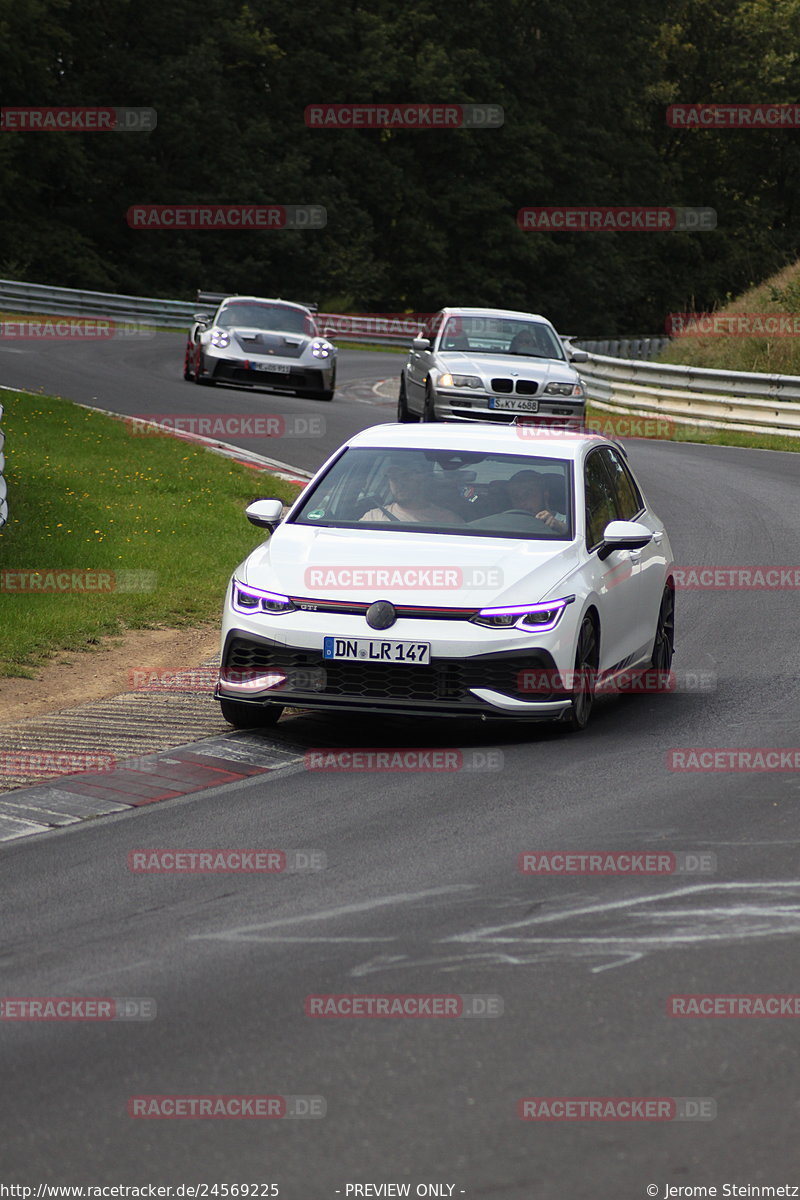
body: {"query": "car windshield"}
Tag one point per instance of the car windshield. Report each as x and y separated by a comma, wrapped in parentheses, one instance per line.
(444, 492)
(501, 335)
(276, 318)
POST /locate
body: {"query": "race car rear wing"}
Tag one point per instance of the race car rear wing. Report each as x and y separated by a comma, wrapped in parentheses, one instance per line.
(216, 298)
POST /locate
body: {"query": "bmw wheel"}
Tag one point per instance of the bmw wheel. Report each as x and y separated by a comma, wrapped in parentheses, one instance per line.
(429, 412)
(404, 413)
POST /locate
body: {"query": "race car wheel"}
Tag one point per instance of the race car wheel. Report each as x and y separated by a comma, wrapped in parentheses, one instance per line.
(404, 413)
(585, 677)
(250, 716)
(429, 412)
(664, 644)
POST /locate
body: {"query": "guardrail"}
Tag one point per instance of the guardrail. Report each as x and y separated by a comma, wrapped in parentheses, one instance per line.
(700, 396)
(3, 486)
(753, 403)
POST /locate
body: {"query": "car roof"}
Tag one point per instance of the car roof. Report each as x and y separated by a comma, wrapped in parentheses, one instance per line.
(266, 300)
(503, 439)
(493, 312)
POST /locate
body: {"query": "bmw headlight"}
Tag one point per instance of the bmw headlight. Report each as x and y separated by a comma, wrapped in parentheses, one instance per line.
(470, 381)
(563, 389)
(220, 338)
(543, 617)
(321, 349)
(248, 599)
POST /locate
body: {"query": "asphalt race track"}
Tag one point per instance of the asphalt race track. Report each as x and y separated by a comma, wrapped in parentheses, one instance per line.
(422, 895)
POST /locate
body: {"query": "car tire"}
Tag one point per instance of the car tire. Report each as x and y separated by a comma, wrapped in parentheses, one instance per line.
(404, 413)
(585, 677)
(664, 643)
(250, 716)
(429, 412)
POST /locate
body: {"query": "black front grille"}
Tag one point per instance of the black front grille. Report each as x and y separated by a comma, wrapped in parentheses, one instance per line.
(527, 387)
(236, 374)
(445, 680)
(502, 385)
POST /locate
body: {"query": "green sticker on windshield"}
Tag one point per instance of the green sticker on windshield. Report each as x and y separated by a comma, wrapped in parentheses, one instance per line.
(316, 514)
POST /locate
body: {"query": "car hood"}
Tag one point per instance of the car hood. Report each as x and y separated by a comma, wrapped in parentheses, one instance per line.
(473, 572)
(459, 362)
(266, 341)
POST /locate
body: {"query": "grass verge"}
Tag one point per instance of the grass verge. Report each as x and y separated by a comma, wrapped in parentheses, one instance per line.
(157, 522)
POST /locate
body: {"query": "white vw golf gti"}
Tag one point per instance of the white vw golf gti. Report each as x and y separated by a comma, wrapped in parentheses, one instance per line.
(491, 571)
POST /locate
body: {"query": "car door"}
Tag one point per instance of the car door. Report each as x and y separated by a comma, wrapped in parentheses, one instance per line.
(651, 559)
(418, 365)
(617, 579)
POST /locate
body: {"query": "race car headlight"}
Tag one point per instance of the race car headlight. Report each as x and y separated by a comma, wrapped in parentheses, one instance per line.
(248, 599)
(563, 389)
(542, 617)
(470, 381)
(321, 349)
(220, 338)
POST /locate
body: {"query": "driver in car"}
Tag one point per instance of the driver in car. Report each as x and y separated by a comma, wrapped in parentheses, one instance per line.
(528, 493)
(409, 484)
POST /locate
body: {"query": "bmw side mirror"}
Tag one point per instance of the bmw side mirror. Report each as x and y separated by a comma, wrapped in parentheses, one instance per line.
(623, 535)
(421, 343)
(578, 356)
(264, 513)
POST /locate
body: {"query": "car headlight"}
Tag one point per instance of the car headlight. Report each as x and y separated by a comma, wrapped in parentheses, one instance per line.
(220, 338)
(524, 616)
(248, 599)
(321, 349)
(563, 389)
(470, 381)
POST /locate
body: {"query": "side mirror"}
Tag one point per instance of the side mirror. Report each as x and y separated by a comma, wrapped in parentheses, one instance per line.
(421, 343)
(623, 535)
(264, 513)
(577, 355)
(202, 318)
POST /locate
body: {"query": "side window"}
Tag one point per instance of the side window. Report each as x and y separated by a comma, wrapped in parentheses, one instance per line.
(433, 327)
(601, 504)
(629, 500)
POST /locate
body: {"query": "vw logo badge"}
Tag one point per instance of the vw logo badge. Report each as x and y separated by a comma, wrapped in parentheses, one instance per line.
(381, 615)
